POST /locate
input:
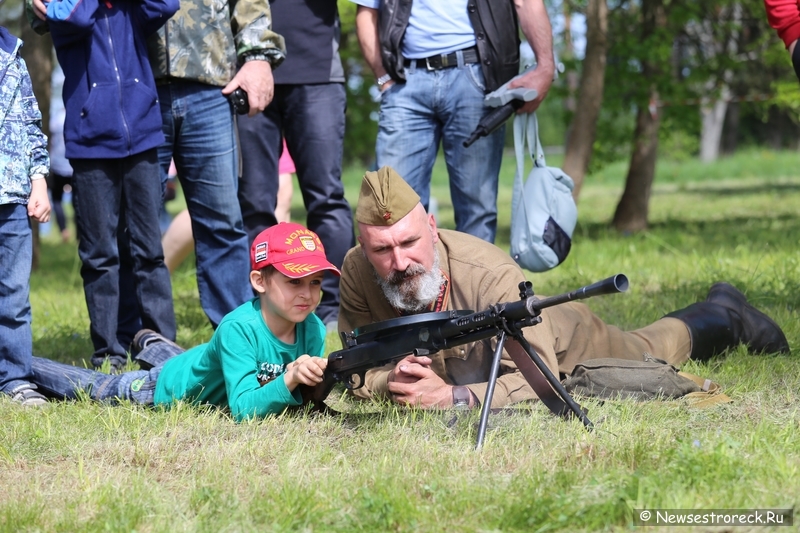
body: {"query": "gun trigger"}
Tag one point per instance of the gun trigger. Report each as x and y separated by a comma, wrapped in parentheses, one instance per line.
(352, 384)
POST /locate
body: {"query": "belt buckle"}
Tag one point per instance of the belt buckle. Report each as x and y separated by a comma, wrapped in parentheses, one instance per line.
(443, 63)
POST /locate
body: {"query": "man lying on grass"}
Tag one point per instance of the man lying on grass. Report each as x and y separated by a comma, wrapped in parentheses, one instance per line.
(405, 265)
(256, 358)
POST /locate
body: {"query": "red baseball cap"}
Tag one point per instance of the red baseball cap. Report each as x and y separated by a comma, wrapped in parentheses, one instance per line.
(294, 250)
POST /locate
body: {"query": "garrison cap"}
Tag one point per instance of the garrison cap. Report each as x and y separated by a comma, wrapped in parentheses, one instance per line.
(385, 198)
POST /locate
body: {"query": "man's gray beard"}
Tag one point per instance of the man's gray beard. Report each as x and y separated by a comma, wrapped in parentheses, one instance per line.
(417, 293)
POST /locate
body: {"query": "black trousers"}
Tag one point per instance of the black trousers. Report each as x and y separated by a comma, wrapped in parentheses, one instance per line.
(311, 118)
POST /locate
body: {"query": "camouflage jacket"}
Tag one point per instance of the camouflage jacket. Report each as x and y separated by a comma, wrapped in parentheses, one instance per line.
(207, 40)
(23, 146)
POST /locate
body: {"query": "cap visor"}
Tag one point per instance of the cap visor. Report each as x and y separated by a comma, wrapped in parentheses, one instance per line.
(296, 270)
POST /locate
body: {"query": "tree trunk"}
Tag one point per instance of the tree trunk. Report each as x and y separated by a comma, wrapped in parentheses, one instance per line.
(712, 119)
(38, 55)
(631, 213)
(569, 54)
(582, 130)
(730, 131)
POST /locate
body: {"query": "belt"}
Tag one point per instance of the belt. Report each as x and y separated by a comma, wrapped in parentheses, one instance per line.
(168, 80)
(440, 61)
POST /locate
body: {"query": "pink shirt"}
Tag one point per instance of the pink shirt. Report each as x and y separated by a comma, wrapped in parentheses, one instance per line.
(285, 163)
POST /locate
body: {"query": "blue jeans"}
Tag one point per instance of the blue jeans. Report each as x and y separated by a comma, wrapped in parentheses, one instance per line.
(311, 117)
(59, 380)
(101, 188)
(444, 106)
(200, 136)
(16, 341)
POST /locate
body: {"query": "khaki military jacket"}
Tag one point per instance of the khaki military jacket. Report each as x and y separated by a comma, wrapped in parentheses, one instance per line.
(480, 275)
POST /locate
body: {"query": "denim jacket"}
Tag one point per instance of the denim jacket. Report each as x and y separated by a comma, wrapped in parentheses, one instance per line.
(23, 145)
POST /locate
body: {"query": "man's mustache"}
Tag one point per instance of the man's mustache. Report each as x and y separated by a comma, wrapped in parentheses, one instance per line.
(397, 277)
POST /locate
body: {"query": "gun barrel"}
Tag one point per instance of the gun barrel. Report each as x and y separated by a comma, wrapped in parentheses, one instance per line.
(612, 285)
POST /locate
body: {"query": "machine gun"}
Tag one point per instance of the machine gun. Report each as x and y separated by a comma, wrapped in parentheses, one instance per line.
(493, 120)
(505, 102)
(389, 341)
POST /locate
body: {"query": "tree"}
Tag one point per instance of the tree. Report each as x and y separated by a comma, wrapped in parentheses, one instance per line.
(583, 127)
(631, 212)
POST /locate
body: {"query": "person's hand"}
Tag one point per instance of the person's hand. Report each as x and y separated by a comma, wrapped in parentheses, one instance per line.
(540, 79)
(402, 377)
(255, 78)
(40, 9)
(386, 85)
(39, 203)
(306, 370)
(413, 383)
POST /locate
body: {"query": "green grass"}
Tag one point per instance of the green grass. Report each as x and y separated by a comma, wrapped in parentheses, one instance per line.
(82, 466)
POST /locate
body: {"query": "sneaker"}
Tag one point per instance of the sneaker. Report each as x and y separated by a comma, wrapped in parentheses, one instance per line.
(27, 396)
(144, 338)
(116, 363)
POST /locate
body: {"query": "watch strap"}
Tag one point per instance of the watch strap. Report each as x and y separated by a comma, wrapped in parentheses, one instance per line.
(383, 79)
(461, 395)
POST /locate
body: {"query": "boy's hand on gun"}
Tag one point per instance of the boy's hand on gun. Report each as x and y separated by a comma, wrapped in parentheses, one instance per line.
(306, 370)
(39, 203)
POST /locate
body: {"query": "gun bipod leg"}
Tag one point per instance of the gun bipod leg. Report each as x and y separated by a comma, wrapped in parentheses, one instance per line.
(487, 400)
(557, 399)
(574, 408)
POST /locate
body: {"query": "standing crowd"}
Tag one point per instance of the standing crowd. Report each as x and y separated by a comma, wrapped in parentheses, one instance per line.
(148, 83)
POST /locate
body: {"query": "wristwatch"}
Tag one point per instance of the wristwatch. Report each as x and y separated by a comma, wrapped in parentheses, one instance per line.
(383, 79)
(461, 397)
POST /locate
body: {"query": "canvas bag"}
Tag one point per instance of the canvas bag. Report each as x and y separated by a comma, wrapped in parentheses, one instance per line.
(543, 212)
(650, 379)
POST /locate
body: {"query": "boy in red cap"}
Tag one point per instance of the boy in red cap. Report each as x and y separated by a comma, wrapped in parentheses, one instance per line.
(256, 358)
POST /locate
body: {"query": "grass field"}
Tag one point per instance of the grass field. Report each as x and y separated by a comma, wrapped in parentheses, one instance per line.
(81, 466)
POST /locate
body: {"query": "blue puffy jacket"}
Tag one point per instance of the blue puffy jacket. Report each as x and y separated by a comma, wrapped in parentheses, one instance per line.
(23, 146)
(109, 92)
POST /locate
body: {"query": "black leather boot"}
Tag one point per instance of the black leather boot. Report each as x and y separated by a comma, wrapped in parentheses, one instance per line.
(759, 332)
(724, 320)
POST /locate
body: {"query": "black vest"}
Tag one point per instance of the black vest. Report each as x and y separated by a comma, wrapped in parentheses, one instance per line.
(496, 35)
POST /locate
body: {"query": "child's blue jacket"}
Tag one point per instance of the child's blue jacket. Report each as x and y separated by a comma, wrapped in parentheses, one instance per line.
(110, 97)
(23, 146)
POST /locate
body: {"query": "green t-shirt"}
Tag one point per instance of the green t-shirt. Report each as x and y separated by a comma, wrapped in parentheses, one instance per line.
(241, 367)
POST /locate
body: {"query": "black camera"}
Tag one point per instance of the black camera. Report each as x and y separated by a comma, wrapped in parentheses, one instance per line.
(239, 101)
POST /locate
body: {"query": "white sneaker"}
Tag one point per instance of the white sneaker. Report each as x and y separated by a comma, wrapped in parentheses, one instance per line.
(27, 396)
